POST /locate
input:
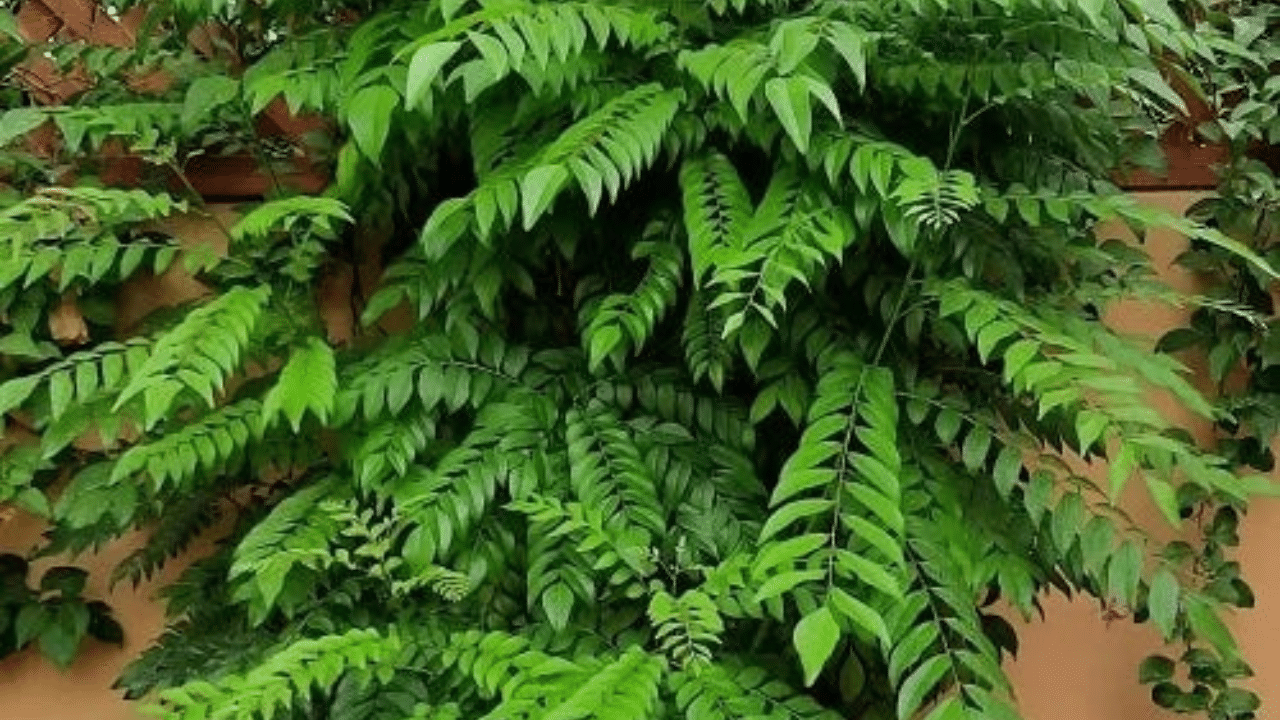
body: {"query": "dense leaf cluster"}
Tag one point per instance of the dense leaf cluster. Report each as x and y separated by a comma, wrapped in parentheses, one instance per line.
(53, 616)
(747, 347)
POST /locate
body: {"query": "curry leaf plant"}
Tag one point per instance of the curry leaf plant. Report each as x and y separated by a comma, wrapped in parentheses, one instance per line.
(731, 358)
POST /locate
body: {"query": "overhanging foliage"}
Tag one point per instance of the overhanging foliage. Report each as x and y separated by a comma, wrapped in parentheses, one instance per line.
(748, 341)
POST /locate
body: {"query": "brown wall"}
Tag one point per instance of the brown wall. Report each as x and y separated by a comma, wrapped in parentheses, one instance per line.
(1076, 666)
(32, 688)
(1073, 665)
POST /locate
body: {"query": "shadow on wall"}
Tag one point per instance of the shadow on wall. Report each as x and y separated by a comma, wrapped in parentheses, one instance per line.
(32, 688)
(1074, 665)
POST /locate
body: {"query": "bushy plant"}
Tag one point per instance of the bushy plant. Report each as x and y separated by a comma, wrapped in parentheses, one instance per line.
(749, 346)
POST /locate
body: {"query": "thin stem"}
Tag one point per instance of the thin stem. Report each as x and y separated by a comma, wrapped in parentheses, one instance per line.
(199, 200)
(204, 210)
(851, 425)
(957, 126)
(259, 154)
(897, 312)
(937, 621)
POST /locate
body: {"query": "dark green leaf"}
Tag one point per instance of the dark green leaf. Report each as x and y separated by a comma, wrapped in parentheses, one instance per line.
(68, 581)
(976, 446)
(1156, 668)
(61, 636)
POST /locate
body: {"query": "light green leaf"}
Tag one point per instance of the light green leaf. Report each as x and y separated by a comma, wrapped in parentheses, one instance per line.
(1066, 520)
(204, 95)
(604, 340)
(269, 581)
(815, 638)
(369, 116)
(1038, 495)
(1090, 425)
(557, 601)
(538, 189)
(920, 683)
(450, 8)
(1161, 12)
(1121, 467)
(787, 551)
(1096, 540)
(445, 225)
(308, 381)
(951, 708)
(1217, 237)
(424, 68)
(992, 335)
(1165, 498)
(860, 614)
(791, 512)
(789, 98)
(1151, 81)
(947, 425)
(1124, 572)
(873, 574)
(903, 229)
(1007, 470)
(803, 470)
(825, 95)
(163, 258)
(9, 26)
(61, 391)
(1207, 625)
(911, 649)
(848, 41)
(1162, 601)
(784, 582)
(492, 51)
(732, 324)
(18, 122)
(875, 536)
(1093, 9)
(976, 446)
(16, 391)
(1029, 209)
(885, 509)
(793, 42)
(86, 377)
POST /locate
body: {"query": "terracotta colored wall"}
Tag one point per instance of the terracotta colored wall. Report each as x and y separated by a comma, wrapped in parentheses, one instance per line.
(1073, 665)
(32, 688)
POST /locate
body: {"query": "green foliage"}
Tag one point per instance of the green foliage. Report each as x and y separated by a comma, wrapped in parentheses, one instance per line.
(308, 382)
(1233, 328)
(752, 345)
(196, 355)
(269, 689)
(54, 616)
